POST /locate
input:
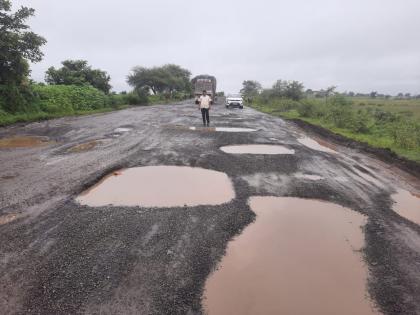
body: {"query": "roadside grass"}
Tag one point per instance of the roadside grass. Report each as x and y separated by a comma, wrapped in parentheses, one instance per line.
(388, 124)
(7, 119)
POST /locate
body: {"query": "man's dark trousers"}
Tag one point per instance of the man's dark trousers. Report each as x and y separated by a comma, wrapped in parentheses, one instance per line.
(206, 116)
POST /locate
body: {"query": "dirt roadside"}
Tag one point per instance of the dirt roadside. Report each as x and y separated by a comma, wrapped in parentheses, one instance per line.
(58, 257)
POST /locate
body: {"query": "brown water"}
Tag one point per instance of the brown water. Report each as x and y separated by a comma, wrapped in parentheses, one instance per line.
(7, 218)
(299, 257)
(317, 145)
(23, 142)
(257, 149)
(407, 205)
(160, 186)
(84, 146)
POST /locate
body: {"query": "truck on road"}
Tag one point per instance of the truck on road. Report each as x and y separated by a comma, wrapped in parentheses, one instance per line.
(204, 82)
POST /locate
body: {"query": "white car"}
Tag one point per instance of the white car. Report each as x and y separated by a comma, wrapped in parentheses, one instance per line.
(234, 101)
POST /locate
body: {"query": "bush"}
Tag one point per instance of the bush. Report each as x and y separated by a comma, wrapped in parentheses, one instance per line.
(306, 109)
(16, 98)
(69, 98)
(407, 134)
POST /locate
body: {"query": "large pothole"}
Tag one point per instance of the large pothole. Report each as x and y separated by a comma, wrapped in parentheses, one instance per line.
(317, 145)
(299, 257)
(223, 129)
(23, 142)
(257, 149)
(407, 205)
(160, 186)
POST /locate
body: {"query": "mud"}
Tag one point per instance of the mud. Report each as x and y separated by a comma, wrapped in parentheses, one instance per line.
(299, 257)
(317, 145)
(160, 186)
(257, 149)
(407, 205)
(84, 146)
(23, 142)
(7, 218)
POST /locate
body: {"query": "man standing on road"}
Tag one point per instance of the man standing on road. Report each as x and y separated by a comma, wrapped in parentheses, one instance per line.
(204, 103)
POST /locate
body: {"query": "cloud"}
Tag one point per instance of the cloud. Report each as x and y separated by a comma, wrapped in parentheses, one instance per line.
(358, 45)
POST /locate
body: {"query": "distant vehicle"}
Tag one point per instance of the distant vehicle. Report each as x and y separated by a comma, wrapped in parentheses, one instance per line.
(235, 100)
(204, 82)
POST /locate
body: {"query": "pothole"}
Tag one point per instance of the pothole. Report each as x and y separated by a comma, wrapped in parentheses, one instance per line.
(160, 186)
(257, 149)
(7, 218)
(317, 145)
(122, 130)
(407, 205)
(234, 129)
(308, 176)
(222, 129)
(299, 257)
(23, 142)
(84, 146)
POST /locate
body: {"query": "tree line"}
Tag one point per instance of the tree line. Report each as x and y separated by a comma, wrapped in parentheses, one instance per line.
(295, 90)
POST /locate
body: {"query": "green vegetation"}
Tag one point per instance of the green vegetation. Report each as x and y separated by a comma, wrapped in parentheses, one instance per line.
(379, 120)
(382, 123)
(78, 72)
(167, 80)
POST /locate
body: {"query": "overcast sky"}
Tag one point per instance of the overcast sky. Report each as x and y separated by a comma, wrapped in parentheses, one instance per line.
(358, 45)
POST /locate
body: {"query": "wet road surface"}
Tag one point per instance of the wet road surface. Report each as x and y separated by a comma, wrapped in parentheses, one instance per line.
(58, 256)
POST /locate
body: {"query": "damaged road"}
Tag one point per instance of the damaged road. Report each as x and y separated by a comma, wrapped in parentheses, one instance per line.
(60, 257)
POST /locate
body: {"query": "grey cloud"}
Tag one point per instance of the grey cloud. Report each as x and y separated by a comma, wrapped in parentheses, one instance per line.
(359, 45)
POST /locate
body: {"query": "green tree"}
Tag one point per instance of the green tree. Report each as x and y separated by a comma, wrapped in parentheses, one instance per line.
(250, 88)
(169, 78)
(78, 72)
(17, 44)
(279, 88)
(294, 90)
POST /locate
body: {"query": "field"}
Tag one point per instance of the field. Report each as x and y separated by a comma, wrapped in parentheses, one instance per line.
(382, 123)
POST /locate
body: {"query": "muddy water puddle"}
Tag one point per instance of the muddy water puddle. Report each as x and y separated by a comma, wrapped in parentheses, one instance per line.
(222, 129)
(122, 130)
(160, 186)
(23, 142)
(257, 149)
(299, 257)
(317, 145)
(7, 218)
(85, 146)
(407, 205)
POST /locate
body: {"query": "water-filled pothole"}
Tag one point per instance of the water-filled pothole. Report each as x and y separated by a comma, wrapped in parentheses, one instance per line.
(7, 218)
(223, 129)
(122, 130)
(160, 186)
(317, 145)
(407, 205)
(84, 146)
(257, 149)
(23, 142)
(299, 257)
